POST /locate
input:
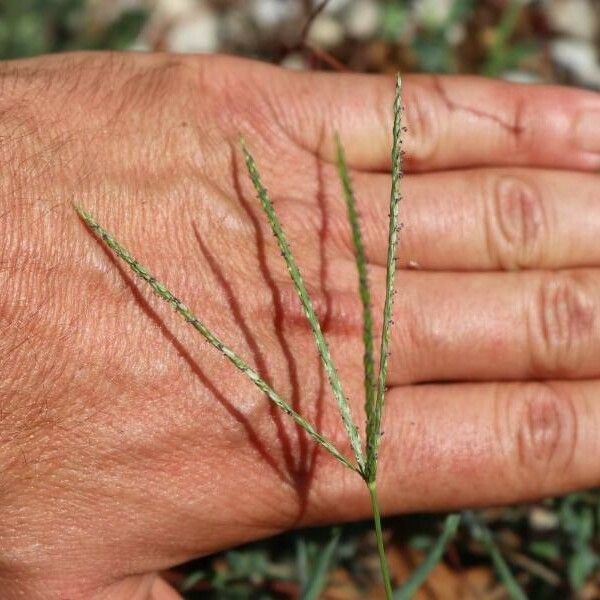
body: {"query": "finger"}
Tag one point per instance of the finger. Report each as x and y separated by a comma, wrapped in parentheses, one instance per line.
(457, 445)
(137, 587)
(485, 219)
(161, 590)
(502, 326)
(452, 121)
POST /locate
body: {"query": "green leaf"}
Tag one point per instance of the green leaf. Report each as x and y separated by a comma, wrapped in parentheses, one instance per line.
(395, 19)
(302, 561)
(581, 565)
(502, 569)
(315, 583)
(191, 580)
(420, 574)
(546, 550)
(123, 31)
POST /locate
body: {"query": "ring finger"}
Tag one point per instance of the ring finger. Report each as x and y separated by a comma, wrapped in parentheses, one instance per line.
(494, 326)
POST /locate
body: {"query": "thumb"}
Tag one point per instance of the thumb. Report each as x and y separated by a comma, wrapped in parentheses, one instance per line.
(139, 587)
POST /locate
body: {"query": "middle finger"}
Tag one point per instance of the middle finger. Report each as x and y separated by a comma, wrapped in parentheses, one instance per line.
(485, 219)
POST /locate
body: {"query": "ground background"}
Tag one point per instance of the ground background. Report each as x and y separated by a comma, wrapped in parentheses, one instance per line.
(553, 548)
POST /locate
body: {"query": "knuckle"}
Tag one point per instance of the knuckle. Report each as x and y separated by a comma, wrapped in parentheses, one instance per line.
(560, 324)
(537, 429)
(337, 311)
(516, 222)
(423, 122)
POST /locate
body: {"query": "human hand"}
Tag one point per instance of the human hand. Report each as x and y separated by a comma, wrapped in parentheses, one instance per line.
(129, 445)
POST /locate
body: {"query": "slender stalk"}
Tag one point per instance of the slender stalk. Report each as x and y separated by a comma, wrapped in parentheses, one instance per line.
(374, 418)
(363, 277)
(502, 569)
(190, 318)
(307, 305)
(385, 571)
(420, 574)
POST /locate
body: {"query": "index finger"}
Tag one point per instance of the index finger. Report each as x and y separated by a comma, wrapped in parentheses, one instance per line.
(452, 121)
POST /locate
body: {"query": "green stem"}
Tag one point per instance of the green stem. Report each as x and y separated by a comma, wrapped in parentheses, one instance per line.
(385, 571)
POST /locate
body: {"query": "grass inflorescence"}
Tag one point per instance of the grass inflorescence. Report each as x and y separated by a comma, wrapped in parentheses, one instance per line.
(365, 452)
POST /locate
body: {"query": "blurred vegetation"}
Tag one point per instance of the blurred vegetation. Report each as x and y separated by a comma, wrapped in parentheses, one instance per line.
(30, 27)
(552, 548)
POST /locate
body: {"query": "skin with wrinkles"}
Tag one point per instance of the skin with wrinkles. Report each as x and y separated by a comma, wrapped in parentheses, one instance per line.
(127, 445)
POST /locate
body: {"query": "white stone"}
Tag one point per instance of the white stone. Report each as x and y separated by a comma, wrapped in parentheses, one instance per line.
(294, 61)
(542, 519)
(325, 32)
(573, 17)
(140, 45)
(432, 13)
(169, 10)
(197, 32)
(363, 19)
(579, 57)
(270, 13)
(456, 34)
(333, 6)
(521, 76)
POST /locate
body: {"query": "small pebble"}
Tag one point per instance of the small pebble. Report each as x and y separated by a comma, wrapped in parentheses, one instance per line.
(363, 19)
(579, 57)
(333, 6)
(169, 10)
(198, 32)
(270, 13)
(575, 18)
(542, 519)
(522, 77)
(294, 61)
(326, 32)
(433, 13)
